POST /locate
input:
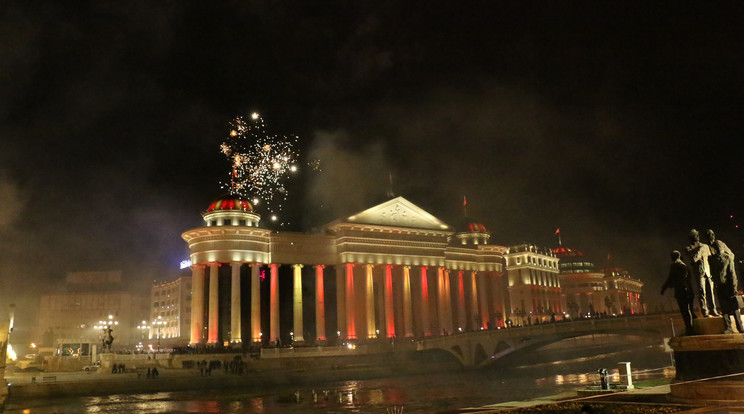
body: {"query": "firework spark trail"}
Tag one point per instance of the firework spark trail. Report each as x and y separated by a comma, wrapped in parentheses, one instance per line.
(260, 163)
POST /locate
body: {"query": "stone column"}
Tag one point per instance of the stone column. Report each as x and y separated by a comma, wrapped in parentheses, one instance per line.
(274, 304)
(441, 305)
(297, 304)
(448, 302)
(214, 302)
(461, 319)
(320, 334)
(235, 334)
(369, 302)
(473, 302)
(407, 308)
(341, 302)
(425, 325)
(255, 302)
(197, 303)
(389, 314)
(350, 317)
(483, 300)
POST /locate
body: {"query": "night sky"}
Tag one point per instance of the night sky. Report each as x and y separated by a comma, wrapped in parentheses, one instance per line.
(618, 122)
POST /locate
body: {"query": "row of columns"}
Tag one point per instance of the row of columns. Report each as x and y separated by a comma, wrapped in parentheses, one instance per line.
(346, 303)
(419, 302)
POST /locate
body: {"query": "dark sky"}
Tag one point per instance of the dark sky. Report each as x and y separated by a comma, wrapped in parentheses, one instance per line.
(619, 122)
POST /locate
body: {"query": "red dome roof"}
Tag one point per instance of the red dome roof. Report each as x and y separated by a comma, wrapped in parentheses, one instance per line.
(230, 203)
(567, 252)
(475, 227)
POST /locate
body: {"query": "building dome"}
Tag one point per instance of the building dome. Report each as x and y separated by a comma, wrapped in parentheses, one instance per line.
(573, 261)
(474, 227)
(230, 203)
(231, 210)
(565, 252)
(471, 232)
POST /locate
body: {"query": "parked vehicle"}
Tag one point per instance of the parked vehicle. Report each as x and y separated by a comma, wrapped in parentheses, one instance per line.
(92, 367)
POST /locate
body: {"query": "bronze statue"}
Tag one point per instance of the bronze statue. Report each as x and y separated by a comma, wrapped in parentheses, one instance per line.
(698, 254)
(724, 277)
(679, 280)
(108, 339)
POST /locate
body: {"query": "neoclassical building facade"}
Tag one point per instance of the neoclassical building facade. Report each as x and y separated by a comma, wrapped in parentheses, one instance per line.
(391, 271)
(611, 290)
(535, 292)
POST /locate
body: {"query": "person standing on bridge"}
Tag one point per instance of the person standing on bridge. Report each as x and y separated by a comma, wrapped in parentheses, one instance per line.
(679, 280)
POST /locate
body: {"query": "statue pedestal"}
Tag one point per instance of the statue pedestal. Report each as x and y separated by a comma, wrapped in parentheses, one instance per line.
(710, 368)
(709, 326)
(107, 361)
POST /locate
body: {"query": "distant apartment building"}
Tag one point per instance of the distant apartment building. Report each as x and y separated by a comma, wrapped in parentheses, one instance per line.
(170, 312)
(84, 304)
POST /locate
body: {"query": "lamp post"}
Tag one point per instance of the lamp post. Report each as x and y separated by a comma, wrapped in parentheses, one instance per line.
(142, 328)
(159, 322)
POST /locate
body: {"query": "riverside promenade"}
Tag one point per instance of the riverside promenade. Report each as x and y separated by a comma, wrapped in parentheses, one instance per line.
(267, 372)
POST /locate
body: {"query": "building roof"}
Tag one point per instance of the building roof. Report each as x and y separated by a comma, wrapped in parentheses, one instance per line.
(566, 252)
(230, 203)
(468, 225)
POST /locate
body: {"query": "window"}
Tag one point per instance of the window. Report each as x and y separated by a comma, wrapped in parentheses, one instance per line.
(226, 222)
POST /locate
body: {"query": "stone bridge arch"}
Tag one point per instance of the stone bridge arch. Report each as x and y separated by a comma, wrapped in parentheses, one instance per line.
(482, 348)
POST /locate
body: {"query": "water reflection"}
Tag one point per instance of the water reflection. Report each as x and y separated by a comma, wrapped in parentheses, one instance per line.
(430, 393)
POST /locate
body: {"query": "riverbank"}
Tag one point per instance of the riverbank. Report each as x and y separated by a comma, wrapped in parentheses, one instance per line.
(89, 384)
(256, 373)
(649, 397)
(421, 383)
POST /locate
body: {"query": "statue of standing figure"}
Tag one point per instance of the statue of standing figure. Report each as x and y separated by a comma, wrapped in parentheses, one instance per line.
(679, 280)
(698, 254)
(724, 276)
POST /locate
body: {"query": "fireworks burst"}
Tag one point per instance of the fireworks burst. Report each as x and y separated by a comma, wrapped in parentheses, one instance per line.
(260, 163)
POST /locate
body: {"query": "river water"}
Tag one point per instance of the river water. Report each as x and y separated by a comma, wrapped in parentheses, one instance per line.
(540, 374)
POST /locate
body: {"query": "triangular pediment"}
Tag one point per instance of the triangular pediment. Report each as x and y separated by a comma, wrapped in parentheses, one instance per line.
(398, 212)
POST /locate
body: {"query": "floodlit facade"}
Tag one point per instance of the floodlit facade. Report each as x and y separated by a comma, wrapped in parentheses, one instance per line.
(623, 292)
(533, 284)
(391, 271)
(610, 291)
(170, 312)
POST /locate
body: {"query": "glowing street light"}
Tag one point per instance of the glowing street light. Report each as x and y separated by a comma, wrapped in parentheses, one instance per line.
(144, 327)
(159, 324)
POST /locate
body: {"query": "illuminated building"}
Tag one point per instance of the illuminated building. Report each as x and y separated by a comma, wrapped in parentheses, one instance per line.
(611, 291)
(87, 299)
(393, 270)
(534, 286)
(623, 294)
(170, 315)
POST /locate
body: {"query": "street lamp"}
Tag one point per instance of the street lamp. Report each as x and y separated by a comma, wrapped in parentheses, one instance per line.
(159, 322)
(143, 328)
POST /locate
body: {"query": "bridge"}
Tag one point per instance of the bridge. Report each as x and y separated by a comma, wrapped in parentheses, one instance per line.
(481, 348)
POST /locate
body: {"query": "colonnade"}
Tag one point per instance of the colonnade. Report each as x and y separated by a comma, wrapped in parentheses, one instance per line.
(372, 301)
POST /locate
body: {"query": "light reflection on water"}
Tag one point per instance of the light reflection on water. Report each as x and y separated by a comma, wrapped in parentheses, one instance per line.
(428, 393)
